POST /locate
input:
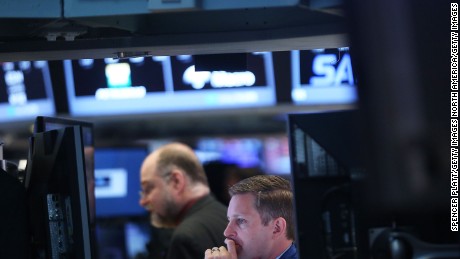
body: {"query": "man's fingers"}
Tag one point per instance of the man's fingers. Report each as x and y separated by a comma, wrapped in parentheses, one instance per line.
(231, 248)
(207, 253)
(217, 253)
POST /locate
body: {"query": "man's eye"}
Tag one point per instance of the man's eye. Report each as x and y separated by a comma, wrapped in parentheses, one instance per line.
(146, 191)
(240, 221)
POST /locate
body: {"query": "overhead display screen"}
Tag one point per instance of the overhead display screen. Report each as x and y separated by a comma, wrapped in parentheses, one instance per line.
(323, 76)
(25, 91)
(165, 84)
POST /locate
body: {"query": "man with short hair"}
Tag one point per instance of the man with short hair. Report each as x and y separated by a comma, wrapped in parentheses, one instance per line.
(176, 193)
(261, 223)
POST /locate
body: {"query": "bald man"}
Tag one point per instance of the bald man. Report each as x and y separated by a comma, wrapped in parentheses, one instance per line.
(175, 191)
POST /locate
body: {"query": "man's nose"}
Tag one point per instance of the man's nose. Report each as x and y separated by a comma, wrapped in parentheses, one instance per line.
(142, 202)
(229, 232)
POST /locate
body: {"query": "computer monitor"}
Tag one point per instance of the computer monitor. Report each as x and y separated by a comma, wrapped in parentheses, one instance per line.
(245, 152)
(45, 123)
(117, 182)
(25, 91)
(324, 152)
(336, 215)
(57, 196)
(128, 239)
(276, 157)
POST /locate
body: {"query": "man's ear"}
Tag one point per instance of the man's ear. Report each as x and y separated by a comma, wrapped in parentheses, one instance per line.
(178, 180)
(279, 227)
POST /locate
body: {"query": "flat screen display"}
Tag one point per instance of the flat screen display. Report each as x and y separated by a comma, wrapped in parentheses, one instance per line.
(244, 152)
(323, 76)
(117, 181)
(25, 91)
(269, 153)
(165, 84)
(124, 239)
(325, 157)
(276, 155)
(57, 195)
(45, 123)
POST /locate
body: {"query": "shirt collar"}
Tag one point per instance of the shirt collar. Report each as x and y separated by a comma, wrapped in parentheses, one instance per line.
(279, 256)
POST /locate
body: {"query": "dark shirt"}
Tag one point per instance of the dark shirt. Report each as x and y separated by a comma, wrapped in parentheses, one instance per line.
(202, 227)
(291, 253)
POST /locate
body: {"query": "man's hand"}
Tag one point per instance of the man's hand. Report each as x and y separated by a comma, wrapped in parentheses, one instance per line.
(217, 253)
(222, 252)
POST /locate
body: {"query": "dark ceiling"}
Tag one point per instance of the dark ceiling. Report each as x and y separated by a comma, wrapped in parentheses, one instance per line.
(57, 32)
(68, 34)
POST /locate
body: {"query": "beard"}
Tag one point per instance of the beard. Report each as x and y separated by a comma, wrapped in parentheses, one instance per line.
(168, 218)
